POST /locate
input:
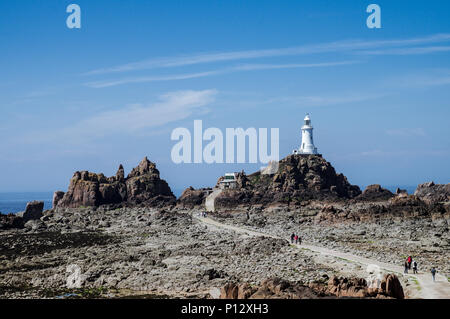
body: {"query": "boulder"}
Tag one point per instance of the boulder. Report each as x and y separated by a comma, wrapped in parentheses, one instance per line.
(57, 196)
(35, 225)
(10, 221)
(432, 193)
(391, 287)
(401, 192)
(272, 288)
(375, 193)
(345, 287)
(191, 197)
(33, 211)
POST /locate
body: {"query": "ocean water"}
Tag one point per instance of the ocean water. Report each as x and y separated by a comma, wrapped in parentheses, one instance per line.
(16, 202)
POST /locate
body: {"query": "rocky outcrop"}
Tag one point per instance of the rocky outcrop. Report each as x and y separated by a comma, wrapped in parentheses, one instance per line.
(401, 192)
(390, 287)
(236, 291)
(397, 207)
(276, 288)
(433, 193)
(375, 193)
(31, 215)
(191, 197)
(10, 221)
(57, 196)
(33, 211)
(273, 288)
(345, 287)
(299, 178)
(142, 186)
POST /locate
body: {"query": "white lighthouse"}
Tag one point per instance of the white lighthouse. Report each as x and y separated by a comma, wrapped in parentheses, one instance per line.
(307, 146)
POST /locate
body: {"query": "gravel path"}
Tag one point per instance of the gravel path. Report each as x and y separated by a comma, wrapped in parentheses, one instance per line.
(426, 288)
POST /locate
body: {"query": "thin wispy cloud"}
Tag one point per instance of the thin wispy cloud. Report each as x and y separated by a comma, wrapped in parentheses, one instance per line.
(406, 132)
(142, 79)
(408, 51)
(337, 46)
(239, 68)
(323, 100)
(428, 78)
(132, 119)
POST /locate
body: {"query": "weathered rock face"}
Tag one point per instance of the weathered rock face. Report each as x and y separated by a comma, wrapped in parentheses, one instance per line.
(193, 197)
(433, 193)
(273, 288)
(402, 192)
(57, 196)
(32, 214)
(33, 211)
(390, 287)
(143, 185)
(344, 287)
(397, 207)
(299, 178)
(375, 193)
(11, 221)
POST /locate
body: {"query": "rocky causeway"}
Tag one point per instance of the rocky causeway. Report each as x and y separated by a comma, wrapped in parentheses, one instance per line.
(128, 236)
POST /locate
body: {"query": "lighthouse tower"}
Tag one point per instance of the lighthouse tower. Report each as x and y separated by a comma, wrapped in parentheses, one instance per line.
(307, 146)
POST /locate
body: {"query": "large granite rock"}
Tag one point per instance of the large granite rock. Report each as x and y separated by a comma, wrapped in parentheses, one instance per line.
(390, 287)
(433, 193)
(57, 196)
(33, 211)
(142, 185)
(375, 193)
(272, 288)
(298, 179)
(191, 197)
(31, 215)
(10, 221)
(276, 288)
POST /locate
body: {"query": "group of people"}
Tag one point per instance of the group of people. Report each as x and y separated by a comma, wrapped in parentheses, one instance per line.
(296, 239)
(410, 262)
(202, 214)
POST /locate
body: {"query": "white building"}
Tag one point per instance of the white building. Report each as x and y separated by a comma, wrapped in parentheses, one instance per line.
(229, 181)
(307, 146)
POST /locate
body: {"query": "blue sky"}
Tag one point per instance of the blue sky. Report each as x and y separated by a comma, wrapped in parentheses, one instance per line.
(113, 91)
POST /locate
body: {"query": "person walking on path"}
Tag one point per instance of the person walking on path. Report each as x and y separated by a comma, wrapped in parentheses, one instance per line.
(296, 239)
(406, 267)
(409, 262)
(299, 240)
(414, 267)
(292, 238)
(433, 273)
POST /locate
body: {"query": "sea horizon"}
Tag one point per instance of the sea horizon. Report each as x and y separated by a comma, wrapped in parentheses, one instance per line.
(15, 202)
